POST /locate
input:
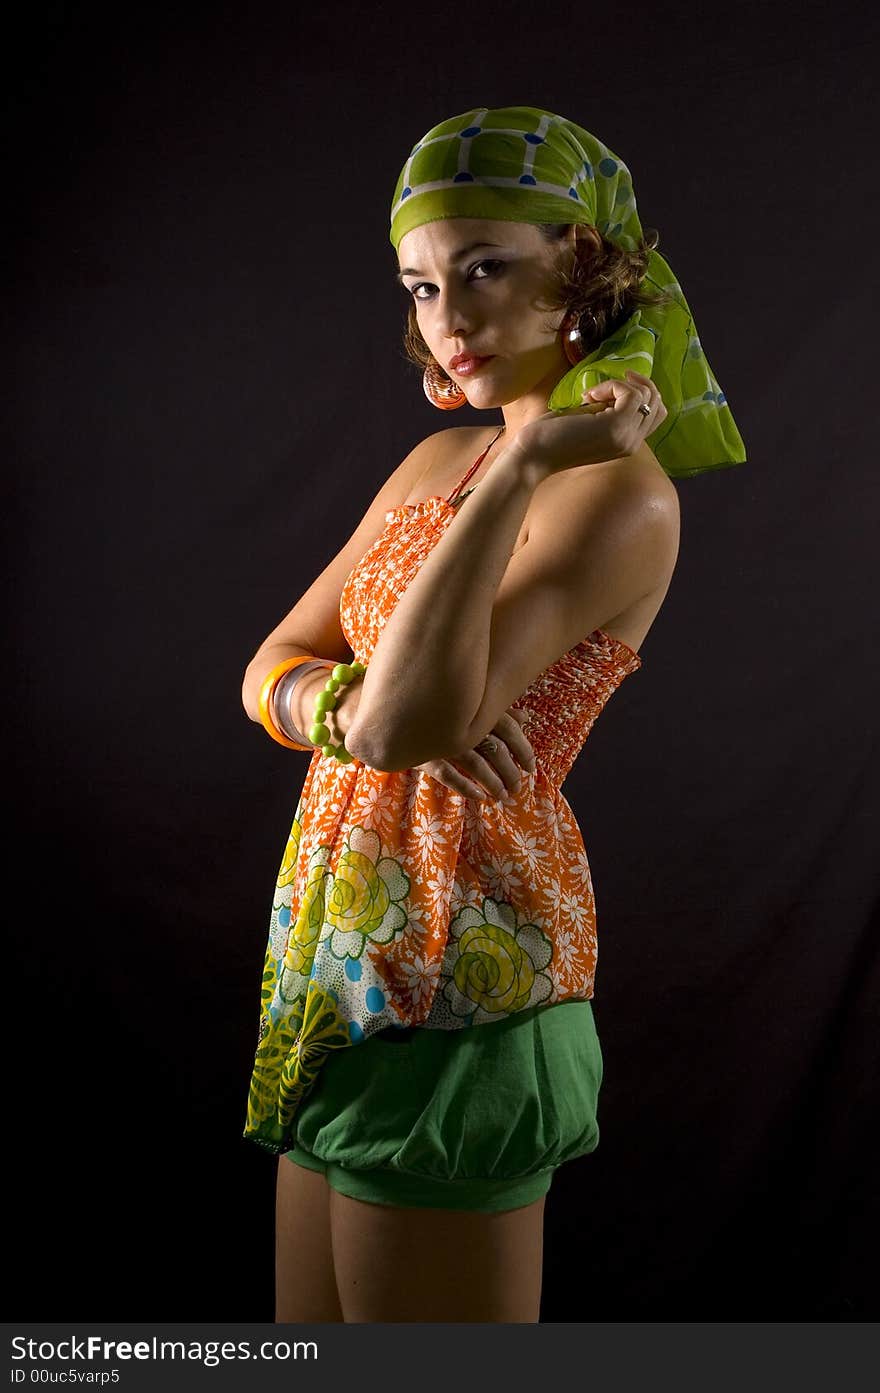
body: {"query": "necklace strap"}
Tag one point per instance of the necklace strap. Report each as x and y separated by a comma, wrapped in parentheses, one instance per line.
(477, 462)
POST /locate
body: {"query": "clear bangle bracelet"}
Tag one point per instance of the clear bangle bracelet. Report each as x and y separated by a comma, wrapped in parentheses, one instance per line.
(282, 694)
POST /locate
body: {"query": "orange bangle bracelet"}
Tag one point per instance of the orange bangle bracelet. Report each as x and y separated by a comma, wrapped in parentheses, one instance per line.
(267, 691)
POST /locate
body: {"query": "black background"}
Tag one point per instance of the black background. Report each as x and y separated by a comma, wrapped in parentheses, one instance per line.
(207, 388)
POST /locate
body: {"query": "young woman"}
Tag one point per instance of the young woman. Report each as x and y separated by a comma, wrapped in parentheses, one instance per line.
(427, 1053)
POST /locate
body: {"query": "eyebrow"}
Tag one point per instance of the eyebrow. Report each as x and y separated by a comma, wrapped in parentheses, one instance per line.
(456, 256)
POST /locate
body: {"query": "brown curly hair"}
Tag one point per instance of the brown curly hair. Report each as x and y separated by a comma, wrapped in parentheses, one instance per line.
(602, 289)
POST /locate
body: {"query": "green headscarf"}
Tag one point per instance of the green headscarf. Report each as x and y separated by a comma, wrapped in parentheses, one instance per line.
(526, 165)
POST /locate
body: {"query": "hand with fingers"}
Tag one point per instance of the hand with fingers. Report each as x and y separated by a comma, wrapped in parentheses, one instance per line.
(614, 419)
(493, 767)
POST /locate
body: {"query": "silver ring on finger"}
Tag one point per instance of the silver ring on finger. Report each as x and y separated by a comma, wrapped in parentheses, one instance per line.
(490, 746)
(645, 410)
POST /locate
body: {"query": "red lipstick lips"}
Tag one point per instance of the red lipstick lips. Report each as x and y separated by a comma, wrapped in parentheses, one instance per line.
(465, 363)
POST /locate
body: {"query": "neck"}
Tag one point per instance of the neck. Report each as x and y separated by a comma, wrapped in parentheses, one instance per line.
(534, 404)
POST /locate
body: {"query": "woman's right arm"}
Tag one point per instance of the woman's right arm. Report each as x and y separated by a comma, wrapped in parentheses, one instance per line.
(313, 626)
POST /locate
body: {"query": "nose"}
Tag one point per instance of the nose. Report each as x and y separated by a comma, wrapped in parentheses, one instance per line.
(453, 317)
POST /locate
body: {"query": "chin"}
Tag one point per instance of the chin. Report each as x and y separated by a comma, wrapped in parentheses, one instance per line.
(486, 393)
(490, 401)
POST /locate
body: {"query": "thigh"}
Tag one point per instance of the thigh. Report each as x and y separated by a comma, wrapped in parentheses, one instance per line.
(404, 1264)
(305, 1285)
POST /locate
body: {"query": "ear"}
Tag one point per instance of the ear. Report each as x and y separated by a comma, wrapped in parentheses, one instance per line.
(585, 238)
(582, 243)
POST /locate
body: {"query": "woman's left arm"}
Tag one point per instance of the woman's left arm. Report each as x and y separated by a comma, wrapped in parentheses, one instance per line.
(426, 682)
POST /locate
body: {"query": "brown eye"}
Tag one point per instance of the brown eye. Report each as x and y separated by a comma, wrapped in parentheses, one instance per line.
(423, 285)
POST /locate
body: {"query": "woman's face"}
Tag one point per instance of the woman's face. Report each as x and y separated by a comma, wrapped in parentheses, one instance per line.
(479, 287)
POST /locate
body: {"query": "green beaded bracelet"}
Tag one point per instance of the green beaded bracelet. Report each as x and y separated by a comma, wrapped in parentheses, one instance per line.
(319, 734)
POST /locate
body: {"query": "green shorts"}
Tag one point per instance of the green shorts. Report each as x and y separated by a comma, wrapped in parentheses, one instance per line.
(477, 1118)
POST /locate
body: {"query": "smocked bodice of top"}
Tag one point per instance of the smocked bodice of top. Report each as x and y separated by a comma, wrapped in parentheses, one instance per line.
(401, 902)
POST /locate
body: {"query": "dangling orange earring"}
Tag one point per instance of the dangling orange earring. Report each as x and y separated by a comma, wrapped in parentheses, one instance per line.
(440, 390)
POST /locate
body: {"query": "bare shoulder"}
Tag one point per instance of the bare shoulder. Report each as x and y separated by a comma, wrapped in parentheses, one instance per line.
(632, 485)
(459, 441)
(656, 475)
(444, 456)
(616, 522)
(653, 485)
(419, 466)
(441, 444)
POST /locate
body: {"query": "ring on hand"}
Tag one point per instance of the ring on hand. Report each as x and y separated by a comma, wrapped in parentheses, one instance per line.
(645, 410)
(488, 745)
